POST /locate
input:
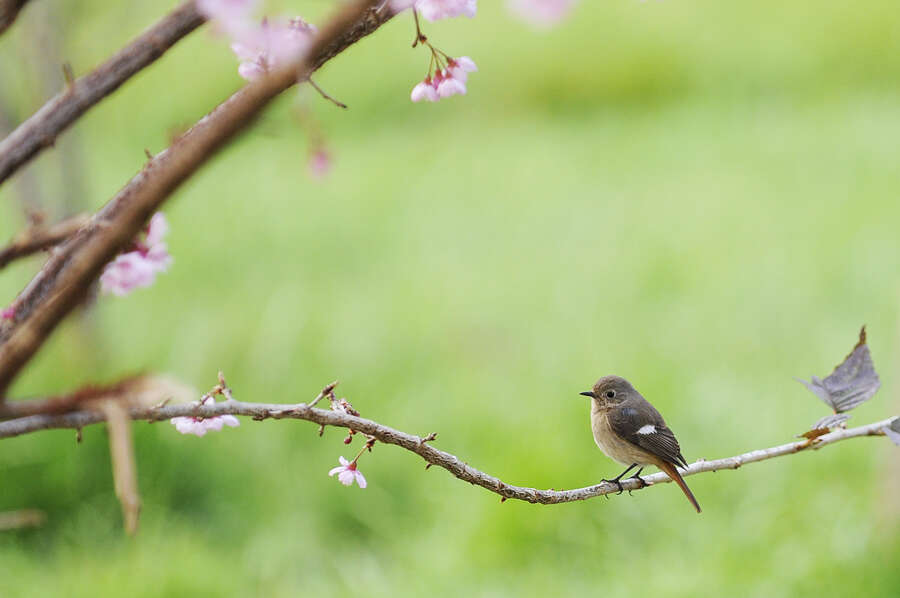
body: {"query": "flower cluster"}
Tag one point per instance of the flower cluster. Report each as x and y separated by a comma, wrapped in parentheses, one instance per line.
(138, 266)
(445, 82)
(199, 426)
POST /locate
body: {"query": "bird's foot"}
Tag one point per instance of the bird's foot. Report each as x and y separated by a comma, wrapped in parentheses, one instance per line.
(637, 477)
(644, 484)
(616, 482)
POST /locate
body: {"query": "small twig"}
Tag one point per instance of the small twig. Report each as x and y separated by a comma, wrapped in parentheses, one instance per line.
(328, 391)
(68, 75)
(121, 452)
(322, 93)
(38, 237)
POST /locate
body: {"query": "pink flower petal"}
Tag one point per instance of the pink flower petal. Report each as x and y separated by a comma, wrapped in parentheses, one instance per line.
(230, 421)
(424, 91)
(157, 229)
(450, 87)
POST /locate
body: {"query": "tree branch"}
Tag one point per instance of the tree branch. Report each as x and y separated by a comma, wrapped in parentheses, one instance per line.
(9, 10)
(64, 279)
(45, 125)
(420, 446)
(38, 238)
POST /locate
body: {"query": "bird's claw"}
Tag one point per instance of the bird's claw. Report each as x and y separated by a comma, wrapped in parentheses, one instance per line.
(617, 483)
(644, 484)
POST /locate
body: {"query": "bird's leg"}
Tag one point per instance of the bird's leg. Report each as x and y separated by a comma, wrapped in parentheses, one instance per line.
(638, 477)
(616, 479)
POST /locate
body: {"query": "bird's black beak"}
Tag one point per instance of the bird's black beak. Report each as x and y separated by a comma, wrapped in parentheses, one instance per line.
(587, 393)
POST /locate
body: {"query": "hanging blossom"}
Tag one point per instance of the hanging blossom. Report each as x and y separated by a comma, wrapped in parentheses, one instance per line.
(541, 13)
(199, 426)
(444, 82)
(435, 10)
(347, 473)
(138, 267)
(265, 47)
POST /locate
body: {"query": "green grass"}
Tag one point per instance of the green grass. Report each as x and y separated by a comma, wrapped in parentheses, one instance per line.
(699, 196)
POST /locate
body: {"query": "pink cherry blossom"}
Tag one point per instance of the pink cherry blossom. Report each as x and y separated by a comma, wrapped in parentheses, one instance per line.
(263, 48)
(460, 68)
(347, 473)
(450, 85)
(434, 10)
(424, 91)
(541, 13)
(139, 266)
(8, 314)
(199, 426)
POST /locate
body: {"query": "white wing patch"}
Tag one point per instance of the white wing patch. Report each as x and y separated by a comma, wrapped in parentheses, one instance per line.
(648, 429)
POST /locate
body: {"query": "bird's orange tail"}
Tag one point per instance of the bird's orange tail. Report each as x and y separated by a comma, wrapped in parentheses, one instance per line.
(676, 477)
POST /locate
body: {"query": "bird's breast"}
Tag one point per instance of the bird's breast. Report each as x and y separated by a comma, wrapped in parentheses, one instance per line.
(612, 445)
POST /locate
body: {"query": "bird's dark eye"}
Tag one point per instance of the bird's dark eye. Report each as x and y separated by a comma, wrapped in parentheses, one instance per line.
(610, 394)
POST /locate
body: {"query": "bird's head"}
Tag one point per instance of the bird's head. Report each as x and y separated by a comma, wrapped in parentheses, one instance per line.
(609, 391)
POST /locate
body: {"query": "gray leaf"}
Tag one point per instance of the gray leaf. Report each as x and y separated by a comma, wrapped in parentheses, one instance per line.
(851, 383)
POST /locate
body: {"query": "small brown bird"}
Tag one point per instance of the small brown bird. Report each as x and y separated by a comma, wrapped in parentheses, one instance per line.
(630, 430)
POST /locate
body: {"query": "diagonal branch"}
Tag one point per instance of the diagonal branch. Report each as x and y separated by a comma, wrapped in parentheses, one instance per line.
(45, 125)
(9, 10)
(38, 238)
(420, 446)
(66, 276)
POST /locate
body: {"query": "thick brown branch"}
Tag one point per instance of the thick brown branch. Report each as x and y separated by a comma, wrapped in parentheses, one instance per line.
(9, 10)
(420, 445)
(38, 238)
(64, 279)
(45, 125)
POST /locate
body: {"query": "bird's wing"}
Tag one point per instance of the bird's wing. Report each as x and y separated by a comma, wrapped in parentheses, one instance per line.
(643, 426)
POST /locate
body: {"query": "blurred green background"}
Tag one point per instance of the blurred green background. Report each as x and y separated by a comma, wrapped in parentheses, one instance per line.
(700, 196)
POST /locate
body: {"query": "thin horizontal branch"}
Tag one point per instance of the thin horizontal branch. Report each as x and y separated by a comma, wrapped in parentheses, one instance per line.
(64, 279)
(38, 238)
(129, 388)
(9, 10)
(45, 125)
(421, 446)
